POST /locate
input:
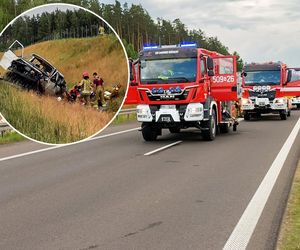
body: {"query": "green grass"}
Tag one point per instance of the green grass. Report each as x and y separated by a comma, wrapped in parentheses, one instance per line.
(9, 137)
(45, 119)
(289, 238)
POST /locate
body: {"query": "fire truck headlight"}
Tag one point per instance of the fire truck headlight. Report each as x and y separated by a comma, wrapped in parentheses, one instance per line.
(246, 101)
(279, 100)
(142, 109)
(195, 110)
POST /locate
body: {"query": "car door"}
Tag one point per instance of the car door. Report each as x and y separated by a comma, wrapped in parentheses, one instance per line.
(224, 80)
(132, 93)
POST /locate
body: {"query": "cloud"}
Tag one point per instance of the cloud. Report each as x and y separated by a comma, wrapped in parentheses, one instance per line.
(260, 30)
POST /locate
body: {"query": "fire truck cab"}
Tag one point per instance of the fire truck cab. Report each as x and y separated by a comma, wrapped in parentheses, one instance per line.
(266, 88)
(182, 86)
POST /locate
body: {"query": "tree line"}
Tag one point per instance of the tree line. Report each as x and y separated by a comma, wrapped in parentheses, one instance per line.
(54, 25)
(133, 24)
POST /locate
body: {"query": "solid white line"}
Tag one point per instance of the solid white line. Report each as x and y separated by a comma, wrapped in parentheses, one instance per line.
(65, 145)
(163, 148)
(242, 232)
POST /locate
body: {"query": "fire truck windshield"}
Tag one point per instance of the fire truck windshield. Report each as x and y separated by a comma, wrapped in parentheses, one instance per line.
(175, 70)
(263, 77)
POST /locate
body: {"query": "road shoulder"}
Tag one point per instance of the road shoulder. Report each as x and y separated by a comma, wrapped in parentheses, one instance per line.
(289, 237)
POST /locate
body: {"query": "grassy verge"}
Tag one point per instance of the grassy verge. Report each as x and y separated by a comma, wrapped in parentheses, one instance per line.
(45, 119)
(123, 118)
(289, 238)
(9, 137)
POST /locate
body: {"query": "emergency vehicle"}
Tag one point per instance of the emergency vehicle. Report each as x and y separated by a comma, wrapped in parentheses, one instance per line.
(132, 93)
(182, 86)
(267, 88)
(294, 82)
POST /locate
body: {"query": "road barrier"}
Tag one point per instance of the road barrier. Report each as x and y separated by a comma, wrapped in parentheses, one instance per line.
(4, 128)
(127, 112)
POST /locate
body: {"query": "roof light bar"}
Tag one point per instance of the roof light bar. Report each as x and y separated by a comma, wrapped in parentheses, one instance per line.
(188, 45)
(150, 46)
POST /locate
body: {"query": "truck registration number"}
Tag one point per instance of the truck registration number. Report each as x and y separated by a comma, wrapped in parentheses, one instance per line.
(168, 107)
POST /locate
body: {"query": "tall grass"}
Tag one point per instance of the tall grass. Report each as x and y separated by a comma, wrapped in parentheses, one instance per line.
(103, 54)
(45, 119)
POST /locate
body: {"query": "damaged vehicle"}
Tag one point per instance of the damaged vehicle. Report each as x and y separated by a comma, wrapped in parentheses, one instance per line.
(33, 73)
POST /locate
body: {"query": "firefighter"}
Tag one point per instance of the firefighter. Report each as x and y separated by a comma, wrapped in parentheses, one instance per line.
(86, 87)
(99, 91)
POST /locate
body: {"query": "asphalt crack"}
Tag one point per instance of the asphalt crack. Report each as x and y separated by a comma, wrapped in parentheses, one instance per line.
(152, 225)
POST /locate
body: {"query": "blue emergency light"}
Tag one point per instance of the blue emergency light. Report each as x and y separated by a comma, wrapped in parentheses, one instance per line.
(154, 91)
(177, 89)
(160, 90)
(172, 90)
(188, 45)
(150, 46)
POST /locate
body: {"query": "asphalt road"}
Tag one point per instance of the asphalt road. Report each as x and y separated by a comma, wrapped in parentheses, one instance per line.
(107, 194)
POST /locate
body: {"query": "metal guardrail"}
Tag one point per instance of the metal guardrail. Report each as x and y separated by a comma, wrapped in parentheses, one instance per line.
(4, 127)
(127, 112)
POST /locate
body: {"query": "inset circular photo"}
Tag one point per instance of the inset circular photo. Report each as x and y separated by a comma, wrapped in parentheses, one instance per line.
(63, 73)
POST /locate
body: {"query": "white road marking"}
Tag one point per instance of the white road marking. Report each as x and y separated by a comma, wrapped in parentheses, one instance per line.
(163, 148)
(65, 145)
(243, 231)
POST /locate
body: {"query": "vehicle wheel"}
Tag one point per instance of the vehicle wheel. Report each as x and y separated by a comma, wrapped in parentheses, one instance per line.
(149, 132)
(298, 106)
(224, 128)
(289, 113)
(246, 116)
(283, 116)
(174, 130)
(210, 133)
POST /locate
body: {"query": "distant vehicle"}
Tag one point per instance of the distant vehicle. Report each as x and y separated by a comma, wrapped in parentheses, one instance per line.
(33, 73)
(182, 86)
(267, 88)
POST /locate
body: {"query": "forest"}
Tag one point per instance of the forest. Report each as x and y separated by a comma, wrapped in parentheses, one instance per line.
(133, 24)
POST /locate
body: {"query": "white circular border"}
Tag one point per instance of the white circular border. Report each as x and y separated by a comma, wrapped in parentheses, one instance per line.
(128, 72)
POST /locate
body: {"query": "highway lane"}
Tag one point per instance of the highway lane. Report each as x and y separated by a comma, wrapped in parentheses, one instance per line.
(106, 194)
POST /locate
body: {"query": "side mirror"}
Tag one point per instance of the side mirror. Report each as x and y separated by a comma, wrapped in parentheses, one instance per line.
(210, 72)
(289, 76)
(210, 64)
(133, 84)
(243, 74)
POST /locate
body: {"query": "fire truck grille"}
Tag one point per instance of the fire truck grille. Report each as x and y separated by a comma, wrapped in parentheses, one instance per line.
(267, 94)
(168, 97)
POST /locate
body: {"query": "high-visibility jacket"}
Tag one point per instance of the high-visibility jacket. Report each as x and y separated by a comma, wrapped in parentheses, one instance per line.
(86, 85)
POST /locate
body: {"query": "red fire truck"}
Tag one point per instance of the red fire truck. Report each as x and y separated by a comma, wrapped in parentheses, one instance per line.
(267, 88)
(132, 93)
(182, 86)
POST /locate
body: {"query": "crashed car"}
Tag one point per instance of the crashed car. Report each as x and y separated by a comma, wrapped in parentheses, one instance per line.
(33, 73)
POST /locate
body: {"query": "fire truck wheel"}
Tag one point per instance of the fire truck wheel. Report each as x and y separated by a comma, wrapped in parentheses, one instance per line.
(174, 130)
(246, 116)
(283, 115)
(210, 133)
(224, 128)
(149, 132)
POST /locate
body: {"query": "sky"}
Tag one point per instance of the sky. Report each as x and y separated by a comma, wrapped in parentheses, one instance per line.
(259, 30)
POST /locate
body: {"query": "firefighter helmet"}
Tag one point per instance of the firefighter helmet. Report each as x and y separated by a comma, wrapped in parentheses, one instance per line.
(85, 74)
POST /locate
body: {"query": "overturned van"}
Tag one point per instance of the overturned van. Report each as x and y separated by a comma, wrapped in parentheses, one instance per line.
(33, 73)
